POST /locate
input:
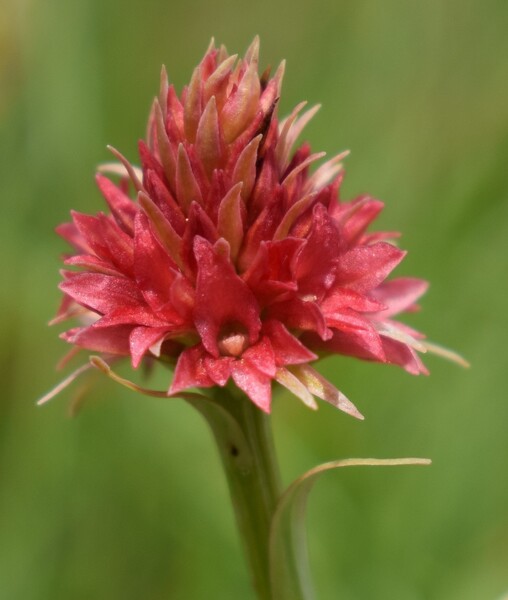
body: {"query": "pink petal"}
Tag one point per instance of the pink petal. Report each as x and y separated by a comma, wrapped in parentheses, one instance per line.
(71, 234)
(68, 308)
(398, 294)
(400, 354)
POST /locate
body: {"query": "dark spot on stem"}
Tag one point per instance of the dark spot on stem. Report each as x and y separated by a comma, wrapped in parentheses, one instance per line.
(233, 450)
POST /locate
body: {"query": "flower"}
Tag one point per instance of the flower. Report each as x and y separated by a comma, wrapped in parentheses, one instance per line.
(234, 261)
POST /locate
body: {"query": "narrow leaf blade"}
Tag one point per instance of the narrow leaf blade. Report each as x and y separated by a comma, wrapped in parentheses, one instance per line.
(289, 564)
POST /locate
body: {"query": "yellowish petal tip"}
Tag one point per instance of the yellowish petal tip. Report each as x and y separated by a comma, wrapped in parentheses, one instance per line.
(448, 354)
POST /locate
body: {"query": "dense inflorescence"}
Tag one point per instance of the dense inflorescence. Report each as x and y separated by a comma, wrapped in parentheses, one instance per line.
(235, 261)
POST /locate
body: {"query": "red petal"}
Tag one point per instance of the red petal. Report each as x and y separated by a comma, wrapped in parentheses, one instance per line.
(154, 269)
(168, 237)
(359, 214)
(132, 315)
(261, 230)
(219, 369)
(91, 231)
(122, 207)
(143, 338)
(363, 268)
(190, 370)
(359, 342)
(262, 357)
(175, 117)
(199, 224)
(267, 183)
(274, 261)
(316, 261)
(340, 298)
(301, 315)
(222, 298)
(102, 293)
(288, 349)
(182, 295)
(92, 263)
(148, 161)
(187, 187)
(162, 197)
(254, 383)
(111, 340)
(192, 104)
(119, 244)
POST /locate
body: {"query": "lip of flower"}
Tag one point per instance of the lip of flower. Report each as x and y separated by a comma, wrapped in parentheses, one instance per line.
(234, 261)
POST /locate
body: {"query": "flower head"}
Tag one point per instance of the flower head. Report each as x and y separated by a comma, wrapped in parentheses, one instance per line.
(233, 260)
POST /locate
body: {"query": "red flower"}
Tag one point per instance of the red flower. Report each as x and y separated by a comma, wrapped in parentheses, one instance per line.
(234, 261)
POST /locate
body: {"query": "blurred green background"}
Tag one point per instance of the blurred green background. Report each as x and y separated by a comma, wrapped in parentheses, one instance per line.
(127, 500)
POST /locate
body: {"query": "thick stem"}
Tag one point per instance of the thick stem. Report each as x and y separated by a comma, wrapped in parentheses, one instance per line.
(244, 439)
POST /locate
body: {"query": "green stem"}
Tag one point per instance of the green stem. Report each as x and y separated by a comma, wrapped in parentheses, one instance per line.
(244, 439)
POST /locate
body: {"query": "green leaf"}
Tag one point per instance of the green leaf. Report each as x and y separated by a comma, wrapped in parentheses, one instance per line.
(289, 564)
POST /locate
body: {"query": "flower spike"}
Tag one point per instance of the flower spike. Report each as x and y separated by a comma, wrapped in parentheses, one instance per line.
(235, 261)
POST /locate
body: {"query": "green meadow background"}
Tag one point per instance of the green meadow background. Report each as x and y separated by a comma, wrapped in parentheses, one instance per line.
(127, 500)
